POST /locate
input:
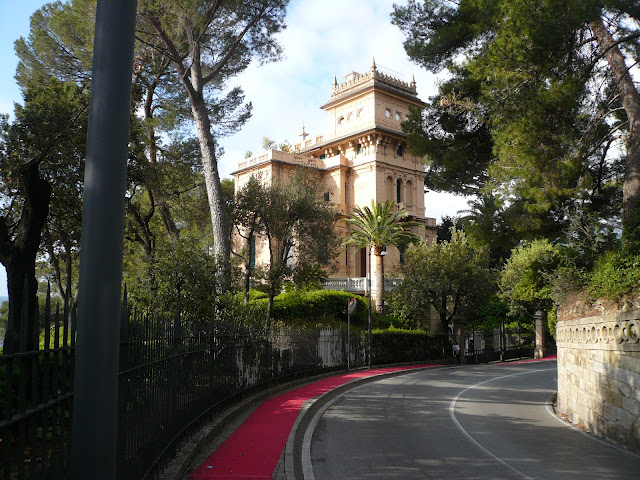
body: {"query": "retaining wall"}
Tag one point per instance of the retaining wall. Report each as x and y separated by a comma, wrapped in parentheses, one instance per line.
(599, 375)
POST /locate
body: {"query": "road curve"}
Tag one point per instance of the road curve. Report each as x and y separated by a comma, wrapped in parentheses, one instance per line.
(472, 422)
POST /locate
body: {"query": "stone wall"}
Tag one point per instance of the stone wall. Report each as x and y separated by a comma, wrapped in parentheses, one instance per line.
(599, 375)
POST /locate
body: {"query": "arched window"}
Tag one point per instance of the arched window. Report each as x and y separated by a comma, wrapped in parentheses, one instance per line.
(389, 187)
(399, 191)
(409, 195)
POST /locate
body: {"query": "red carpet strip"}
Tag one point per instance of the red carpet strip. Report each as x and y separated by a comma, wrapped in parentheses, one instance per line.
(253, 450)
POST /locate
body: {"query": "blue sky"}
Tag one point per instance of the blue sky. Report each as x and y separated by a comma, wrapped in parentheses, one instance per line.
(323, 39)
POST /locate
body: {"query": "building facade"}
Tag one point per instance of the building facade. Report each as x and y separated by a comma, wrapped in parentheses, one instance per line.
(361, 157)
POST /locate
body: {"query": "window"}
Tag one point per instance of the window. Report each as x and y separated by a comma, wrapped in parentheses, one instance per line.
(402, 249)
(409, 192)
(252, 252)
(387, 113)
(389, 184)
(399, 151)
(399, 191)
(398, 116)
(327, 197)
(323, 156)
(359, 149)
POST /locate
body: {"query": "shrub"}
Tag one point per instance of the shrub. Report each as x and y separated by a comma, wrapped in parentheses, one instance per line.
(316, 307)
(616, 274)
(396, 345)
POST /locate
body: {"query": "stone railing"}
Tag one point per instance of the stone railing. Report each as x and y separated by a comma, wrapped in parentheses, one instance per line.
(307, 144)
(599, 375)
(286, 157)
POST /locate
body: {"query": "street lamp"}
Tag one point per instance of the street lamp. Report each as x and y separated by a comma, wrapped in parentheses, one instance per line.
(369, 279)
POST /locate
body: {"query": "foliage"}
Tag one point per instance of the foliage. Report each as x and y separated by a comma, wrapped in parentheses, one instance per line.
(552, 321)
(396, 345)
(379, 225)
(615, 275)
(296, 224)
(539, 108)
(451, 277)
(376, 227)
(525, 278)
(485, 224)
(41, 167)
(451, 133)
(444, 228)
(316, 307)
(490, 314)
(4, 317)
(208, 43)
(180, 276)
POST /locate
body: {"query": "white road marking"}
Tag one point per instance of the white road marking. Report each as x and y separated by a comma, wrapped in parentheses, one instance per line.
(452, 414)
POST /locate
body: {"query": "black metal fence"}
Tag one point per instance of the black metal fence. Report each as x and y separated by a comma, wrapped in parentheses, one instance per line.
(173, 378)
(36, 389)
(484, 346)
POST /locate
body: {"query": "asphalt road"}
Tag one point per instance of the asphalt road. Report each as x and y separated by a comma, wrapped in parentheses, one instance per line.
(470, 422)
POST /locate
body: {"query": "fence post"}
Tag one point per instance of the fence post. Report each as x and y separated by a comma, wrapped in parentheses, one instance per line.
(95, 401)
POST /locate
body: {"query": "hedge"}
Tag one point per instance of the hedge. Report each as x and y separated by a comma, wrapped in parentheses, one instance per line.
(316, 306)
(398, 346)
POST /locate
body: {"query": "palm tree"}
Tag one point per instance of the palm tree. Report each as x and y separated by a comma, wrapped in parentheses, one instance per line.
(377, 227)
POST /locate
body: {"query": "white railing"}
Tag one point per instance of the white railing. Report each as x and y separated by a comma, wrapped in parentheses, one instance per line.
(358, 284)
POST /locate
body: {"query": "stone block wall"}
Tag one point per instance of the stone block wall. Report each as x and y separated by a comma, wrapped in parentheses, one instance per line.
(599, 375)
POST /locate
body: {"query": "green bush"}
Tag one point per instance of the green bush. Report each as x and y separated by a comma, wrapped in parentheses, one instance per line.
(615, 274)
(315, 307)
(396, 345)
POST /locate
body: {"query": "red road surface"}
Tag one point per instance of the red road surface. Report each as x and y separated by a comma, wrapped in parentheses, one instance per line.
(253, 450)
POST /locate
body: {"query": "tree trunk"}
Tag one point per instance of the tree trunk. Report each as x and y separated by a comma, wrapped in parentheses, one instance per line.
(631, 105)
(443, 314)
(247, 282)
(163, 206)
(19, 255)
(377, 250)
(272, 294)
(221, 237)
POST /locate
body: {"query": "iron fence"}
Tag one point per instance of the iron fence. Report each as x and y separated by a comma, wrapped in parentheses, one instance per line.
(484, 346)
(36, 389)
(173, 377)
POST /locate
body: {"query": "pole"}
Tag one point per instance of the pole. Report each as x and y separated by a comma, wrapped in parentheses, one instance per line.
(348, 339)
(95, 400)
(369, 282)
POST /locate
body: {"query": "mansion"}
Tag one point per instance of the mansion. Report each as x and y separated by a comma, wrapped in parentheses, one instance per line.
(361, 157)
